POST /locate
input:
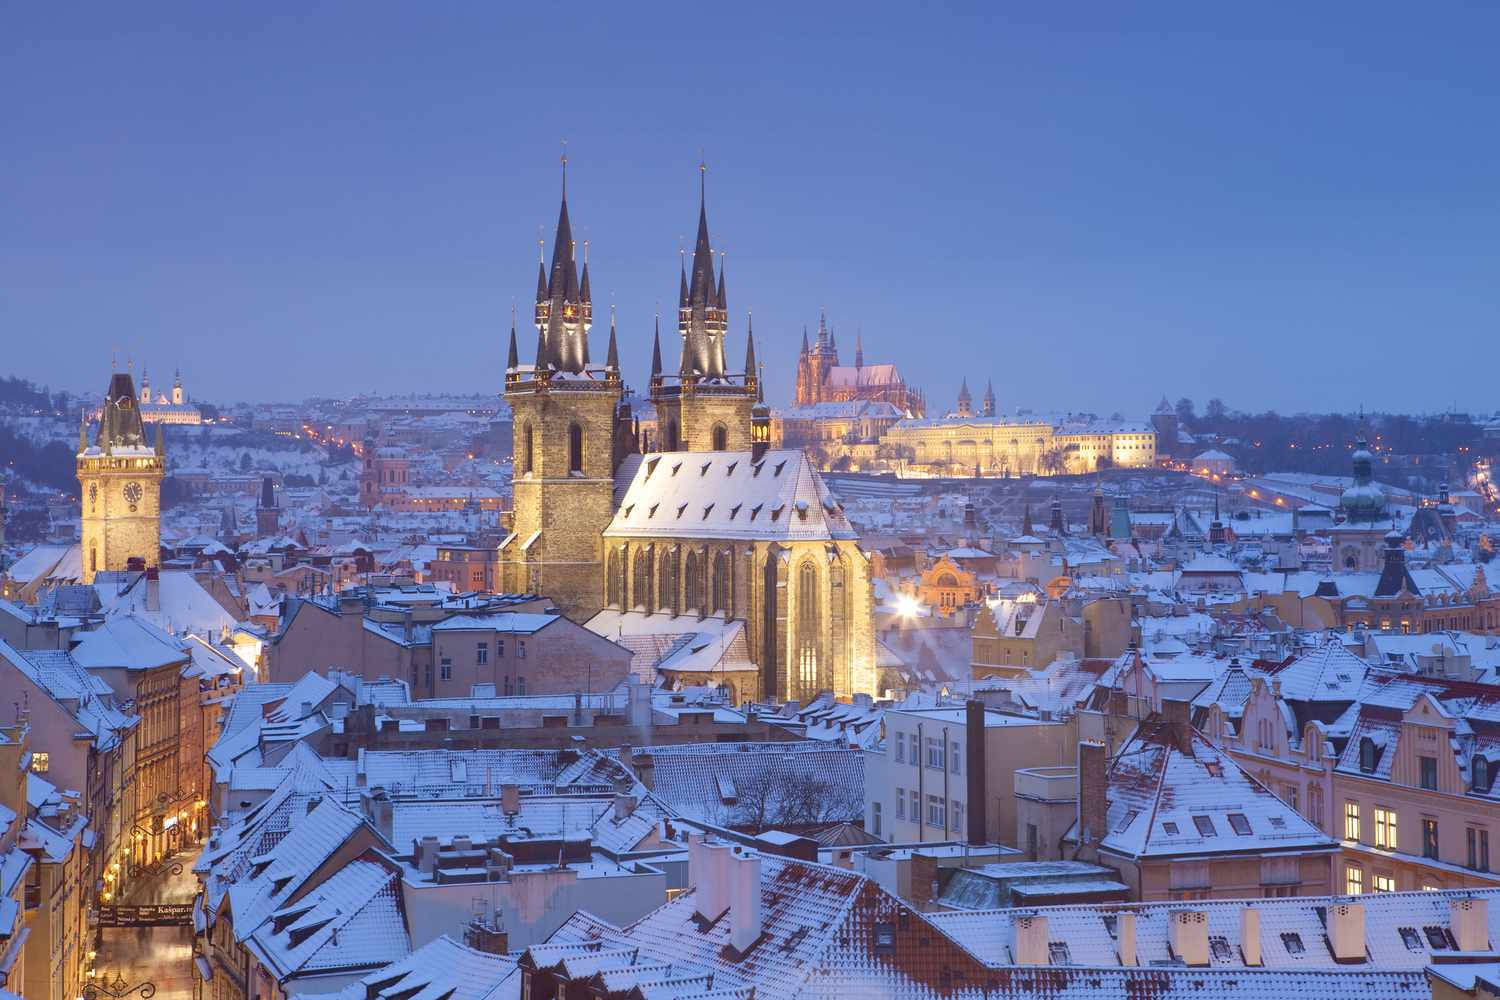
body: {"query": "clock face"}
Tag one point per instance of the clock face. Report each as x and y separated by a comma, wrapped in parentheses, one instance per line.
(132, 494)
(93, 495)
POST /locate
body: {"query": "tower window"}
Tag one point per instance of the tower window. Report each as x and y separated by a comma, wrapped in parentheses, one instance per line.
(720, 437)
(575, 448)
(528, 448)
(672, 440)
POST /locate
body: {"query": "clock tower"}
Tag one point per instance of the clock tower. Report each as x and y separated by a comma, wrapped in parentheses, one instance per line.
(120, 475)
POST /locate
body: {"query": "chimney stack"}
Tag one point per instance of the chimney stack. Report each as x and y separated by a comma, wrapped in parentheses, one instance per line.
(974, 738)
(1250, 935)
(1125, 933)
(743, 871)
(1346, 932)
(624, 807)
(1470, 921)
(711, 889)
(1093, 789)
(1031, 940)
(510, 799)
(1179, 725)
(1188, 933)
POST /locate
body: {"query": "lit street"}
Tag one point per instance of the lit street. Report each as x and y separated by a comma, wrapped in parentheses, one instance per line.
(131, 956)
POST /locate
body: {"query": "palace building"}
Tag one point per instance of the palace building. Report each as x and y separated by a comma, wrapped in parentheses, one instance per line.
(718, 560)
(120, 475)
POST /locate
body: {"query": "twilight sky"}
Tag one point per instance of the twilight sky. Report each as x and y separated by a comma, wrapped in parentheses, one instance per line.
(1284, 205)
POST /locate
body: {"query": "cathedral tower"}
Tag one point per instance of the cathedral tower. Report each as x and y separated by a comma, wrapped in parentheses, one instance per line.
(566, 442)
(120, 475)
(706, 407)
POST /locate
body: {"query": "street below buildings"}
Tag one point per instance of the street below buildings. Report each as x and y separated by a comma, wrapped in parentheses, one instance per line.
(129, 957)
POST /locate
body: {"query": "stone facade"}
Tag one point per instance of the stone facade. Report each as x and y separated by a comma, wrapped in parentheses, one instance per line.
(120, 476)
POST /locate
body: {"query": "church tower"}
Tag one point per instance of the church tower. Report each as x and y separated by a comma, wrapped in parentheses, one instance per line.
(706, 407)
(120, 475)
(566, 442)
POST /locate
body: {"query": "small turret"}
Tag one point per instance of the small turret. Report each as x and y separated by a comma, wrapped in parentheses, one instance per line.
(612, 360)
(656, 351)
(965, 401)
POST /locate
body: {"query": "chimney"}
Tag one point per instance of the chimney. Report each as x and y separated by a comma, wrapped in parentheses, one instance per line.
(624, 807)
(1179, 727)
(1093, 792)
(426, 852)
(1469, 920)
(710, 889)
(510, 799)
(378, 810)
(1188, 934)
(1031, 940)
(1346, 932)
(744, 900)
(974, 738)
(1250, 935)
(1125, 932)
(924, 888)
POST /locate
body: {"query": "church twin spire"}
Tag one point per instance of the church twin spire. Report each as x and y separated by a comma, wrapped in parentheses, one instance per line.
(564, 304)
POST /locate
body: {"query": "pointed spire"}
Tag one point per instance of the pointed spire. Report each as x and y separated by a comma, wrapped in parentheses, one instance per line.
(859, 349)
(804, 340)
(83, 431)
(543, 362)
(583, 285)
(822, 327)
(722, 301)
(760, 384)
(161, 446)
(612, 359)
(512, 358)
(701, 288)
(656, 349)
(682, 295)
(749, 345)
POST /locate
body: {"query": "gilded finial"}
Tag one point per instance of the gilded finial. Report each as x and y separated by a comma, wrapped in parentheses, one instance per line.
(565, 168)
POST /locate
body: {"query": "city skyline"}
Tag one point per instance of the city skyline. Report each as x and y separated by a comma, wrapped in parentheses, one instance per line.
(1022, 183)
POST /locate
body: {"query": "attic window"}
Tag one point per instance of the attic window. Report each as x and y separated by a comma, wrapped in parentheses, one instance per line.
(628, 509)
(1205, 826)
(755, 510)
(1481, 774)
(680, 508)
(1278, 822)
(704, 471)
(729, 470)
(651, 467)
(757, 467)
(1438, 939)
(1292, 942)
(1218, 945)
(1240, 823)
(708, 509)
(1410, 938)
(1170, 829)
(1057, 953)
(1126, 820)
(675, 467)
(885, 939)
(652, 512)
(779, 466)
(735, 510)
(1367, 754)
(1112, 924)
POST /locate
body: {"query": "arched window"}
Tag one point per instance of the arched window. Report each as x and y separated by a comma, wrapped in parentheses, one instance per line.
(671, 436)
(721, 582)
(1481, 774)
(692, 596)
(721, 437)
(666, 588)
(528, 448)
(640, 593)
(807, 630)
(575, 448)
(612, 579)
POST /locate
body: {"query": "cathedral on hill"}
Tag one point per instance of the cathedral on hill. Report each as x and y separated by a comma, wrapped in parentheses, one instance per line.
(716, 559)
(821, 379)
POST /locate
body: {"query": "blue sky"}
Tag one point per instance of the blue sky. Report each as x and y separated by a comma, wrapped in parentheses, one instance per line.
(1288, 206)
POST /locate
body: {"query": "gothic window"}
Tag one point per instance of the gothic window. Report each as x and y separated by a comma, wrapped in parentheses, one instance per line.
(692, 596)
(528, 448)
(640, 595)
(721, 581)
(721, 437)
(807, 629)
(575, 448)
(666, 590)
(612, 598)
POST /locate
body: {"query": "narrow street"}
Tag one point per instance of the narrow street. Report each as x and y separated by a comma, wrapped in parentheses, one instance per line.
(131, 956)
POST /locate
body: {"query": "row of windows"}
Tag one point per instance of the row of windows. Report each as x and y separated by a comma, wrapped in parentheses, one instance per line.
(941, 815)
(1477, 839)
(527, 458)
(481, 656)
(938, 757)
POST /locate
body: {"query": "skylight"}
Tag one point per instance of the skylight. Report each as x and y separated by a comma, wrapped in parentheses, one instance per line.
(1205, 826)
(1240, 823)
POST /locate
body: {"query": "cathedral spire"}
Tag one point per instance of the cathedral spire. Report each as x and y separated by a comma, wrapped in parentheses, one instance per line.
(512, 359)
(859, 349)
(563, 313)
(583, 287)
(749, 346)
(701, 320)
(804, 340)
(612, 359)
(722, 302)
(656, 349)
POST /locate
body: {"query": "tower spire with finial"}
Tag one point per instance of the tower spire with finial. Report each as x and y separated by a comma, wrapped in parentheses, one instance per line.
(656, 348)
(512, 359)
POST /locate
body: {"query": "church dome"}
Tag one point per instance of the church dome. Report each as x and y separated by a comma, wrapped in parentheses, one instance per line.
(1364, 501)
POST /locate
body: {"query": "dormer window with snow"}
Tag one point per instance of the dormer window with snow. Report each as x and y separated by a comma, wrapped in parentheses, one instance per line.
(1367, 754)
(1480, 772)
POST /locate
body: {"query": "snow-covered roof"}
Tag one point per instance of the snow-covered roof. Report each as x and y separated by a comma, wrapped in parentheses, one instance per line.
(728, 495)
